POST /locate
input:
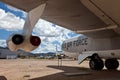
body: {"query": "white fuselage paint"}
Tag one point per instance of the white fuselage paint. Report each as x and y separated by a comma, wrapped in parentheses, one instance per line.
(75, 46)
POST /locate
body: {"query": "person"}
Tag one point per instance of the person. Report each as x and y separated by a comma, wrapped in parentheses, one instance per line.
(59, 60)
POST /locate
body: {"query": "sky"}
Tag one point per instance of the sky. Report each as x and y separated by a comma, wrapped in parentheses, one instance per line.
(52, 35)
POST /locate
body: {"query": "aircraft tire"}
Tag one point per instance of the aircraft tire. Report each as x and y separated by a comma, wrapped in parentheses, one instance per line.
(96, 64)
(111, 64)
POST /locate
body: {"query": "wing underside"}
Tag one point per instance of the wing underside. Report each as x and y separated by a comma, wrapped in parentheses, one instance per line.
(67, 13)
(25, 5)
(71, 14)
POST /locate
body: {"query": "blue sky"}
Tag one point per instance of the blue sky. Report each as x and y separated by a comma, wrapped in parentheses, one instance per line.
(6, 34)
(12, 21)
(16, 13)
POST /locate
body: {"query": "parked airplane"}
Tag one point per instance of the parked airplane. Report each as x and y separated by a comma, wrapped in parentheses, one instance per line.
(98, 20)
(5, 53)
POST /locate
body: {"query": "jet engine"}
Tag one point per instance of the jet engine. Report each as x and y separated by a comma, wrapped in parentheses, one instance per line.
(19, 41)
(26, 41)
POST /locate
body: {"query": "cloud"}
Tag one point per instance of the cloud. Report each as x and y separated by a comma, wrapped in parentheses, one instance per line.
(10, 22)
(44, 28)
(52, 36)
(24, 14)
(3, 43)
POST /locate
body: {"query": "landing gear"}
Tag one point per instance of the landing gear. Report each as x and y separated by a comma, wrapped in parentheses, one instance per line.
(111, 64)
(96, 65)
(96, 62)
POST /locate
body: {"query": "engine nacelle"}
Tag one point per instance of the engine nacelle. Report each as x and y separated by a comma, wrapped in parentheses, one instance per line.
(18, 41)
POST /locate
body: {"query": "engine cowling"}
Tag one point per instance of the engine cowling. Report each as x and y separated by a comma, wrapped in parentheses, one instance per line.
(26, 43)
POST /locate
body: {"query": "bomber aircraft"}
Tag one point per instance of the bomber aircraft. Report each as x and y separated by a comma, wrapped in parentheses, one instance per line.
(97, 20)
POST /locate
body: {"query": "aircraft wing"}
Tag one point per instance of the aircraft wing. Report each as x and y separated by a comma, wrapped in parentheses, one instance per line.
(25, 5)
(76, 15)
(71, 14)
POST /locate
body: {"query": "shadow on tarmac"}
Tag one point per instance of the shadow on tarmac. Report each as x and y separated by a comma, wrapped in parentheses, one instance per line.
(95, 75)
(3, 78)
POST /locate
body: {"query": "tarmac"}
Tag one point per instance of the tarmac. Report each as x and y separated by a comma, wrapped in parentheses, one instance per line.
(40, 69)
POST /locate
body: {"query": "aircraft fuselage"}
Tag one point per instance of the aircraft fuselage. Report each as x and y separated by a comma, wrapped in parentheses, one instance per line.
(75, 46)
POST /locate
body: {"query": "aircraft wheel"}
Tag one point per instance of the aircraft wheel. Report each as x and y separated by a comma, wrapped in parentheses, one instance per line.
(111, 64)
(96, 65)
(96, 62)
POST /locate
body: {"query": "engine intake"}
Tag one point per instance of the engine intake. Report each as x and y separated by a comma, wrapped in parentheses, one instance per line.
(17, 39)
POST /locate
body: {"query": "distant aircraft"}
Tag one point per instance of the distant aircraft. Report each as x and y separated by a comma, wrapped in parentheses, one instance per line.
(98, 20)
(5, 53)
